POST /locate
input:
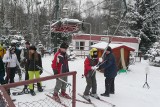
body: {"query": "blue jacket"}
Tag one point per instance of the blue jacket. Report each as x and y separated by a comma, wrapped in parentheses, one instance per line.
(109, 66)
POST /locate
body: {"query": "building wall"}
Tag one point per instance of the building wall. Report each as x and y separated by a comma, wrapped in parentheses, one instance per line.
(87, 48)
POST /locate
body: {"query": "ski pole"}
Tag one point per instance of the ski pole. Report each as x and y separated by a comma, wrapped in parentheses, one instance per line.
(52, 74)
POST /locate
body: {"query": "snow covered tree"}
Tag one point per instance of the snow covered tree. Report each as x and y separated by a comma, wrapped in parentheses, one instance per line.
(142, 21)
(113, 11)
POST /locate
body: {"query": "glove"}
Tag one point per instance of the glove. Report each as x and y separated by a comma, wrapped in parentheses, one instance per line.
(94, 68)
(60, 59)
(100, 59)
(41, 71)
(55, 72)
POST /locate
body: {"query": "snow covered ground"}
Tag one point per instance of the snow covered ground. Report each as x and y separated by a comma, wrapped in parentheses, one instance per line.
(129, 91)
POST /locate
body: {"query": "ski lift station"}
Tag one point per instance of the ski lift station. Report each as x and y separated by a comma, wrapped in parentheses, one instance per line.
(82, 42)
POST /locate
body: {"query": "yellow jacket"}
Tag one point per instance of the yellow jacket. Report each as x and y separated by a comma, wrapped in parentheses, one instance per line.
(2, 51)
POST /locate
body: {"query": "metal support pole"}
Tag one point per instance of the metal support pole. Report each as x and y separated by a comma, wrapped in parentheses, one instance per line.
(56, 18)
(74, 91)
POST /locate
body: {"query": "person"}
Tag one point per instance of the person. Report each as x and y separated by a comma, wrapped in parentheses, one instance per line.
(89, 72)
(18, 53)
(34, 62)
(2, 51)
(24, 58)
(60, 65)
(2, 69)
(110, 71)
(42, 51)
(11, 61)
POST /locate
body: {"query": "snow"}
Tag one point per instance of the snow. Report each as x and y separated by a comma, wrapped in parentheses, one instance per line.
(102, 45)
(129, 91)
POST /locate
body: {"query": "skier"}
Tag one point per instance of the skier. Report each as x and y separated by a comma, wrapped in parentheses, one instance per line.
(24, 58)
(18, 53)
(33, 62)
(11, 61)
(2, 70)
(110, 71)
(60, 65)
(2, 51)
(90, 74)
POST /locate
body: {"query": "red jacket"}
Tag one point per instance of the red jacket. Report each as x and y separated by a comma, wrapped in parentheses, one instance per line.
(88, 63)
(60, 62)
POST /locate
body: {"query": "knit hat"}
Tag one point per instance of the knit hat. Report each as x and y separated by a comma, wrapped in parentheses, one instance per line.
(32, 48)
(109, 49)
(64, 45)
(27, 43)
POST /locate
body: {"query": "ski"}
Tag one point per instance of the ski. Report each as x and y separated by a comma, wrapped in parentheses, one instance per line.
(17, 93)
(90, 102)
(64, 105)
(104, 101)
(77, 100)
(20, 92)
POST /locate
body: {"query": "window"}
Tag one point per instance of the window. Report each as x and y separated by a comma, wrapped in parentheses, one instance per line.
(77, 45)
(91, 43)
(80, 45)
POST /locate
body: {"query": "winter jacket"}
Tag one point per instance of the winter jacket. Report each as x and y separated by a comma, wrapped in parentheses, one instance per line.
(2, 70)
(88, 63)
(11, 59)
(109, 66)
(33, 64)
(60, 62)
(2, 52)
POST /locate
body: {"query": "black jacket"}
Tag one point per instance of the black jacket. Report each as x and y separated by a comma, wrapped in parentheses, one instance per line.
(2, 70)
(32, 63)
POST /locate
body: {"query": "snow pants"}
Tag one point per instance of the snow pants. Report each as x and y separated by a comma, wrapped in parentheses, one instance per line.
(10, 74)
(60, 85)
(26, 74)
(31, 76)
(91, 83)
(109, 85)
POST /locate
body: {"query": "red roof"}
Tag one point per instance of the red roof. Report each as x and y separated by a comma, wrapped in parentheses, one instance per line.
(114, 38)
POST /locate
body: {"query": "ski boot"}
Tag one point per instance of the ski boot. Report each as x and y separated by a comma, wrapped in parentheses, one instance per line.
(56, 97)
(32, 92)
(87, 98)
(65, 95)
(95, 96)
(105, 95)
(39, 87)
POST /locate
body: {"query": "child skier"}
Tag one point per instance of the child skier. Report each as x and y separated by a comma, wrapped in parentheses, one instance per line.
(90, 74)
(60, 65)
